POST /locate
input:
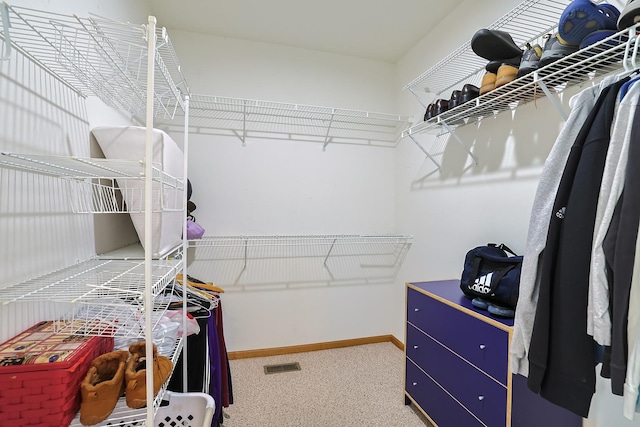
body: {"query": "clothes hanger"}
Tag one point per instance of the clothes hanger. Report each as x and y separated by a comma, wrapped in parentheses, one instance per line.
(195, 300)
(209, 286)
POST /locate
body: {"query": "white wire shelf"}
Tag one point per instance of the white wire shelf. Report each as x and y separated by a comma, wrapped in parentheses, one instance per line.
(298, 260)
(96, 282)
(602, 58)
(246, 118)
(93, 55)
(101, 185)
(122, 415)
(294, 241)
(526, 22)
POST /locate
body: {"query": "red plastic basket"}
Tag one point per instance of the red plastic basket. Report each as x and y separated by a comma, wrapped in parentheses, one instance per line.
(40, 375)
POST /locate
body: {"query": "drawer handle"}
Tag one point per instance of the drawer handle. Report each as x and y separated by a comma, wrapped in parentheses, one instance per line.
(480, 398)
(415, 384)
(415, 346)
(482, 346)
(416, 309)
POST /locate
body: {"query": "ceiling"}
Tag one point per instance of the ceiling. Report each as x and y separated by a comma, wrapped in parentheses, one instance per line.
(377, 29)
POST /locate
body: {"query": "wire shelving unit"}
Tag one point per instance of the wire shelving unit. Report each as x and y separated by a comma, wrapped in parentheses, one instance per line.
(134, 69)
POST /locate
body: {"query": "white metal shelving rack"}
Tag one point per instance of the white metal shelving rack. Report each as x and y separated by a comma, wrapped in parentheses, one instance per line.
(132, 68)
(526, 23)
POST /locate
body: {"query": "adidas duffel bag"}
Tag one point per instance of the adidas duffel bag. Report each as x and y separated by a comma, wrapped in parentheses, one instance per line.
(492, 275)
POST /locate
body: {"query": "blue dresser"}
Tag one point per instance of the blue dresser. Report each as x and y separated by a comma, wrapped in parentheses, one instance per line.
(457, 365)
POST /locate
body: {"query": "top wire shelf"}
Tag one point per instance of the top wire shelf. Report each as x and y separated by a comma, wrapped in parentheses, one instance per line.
(599, 59)
(528, 21)
(96, 56)
(247, 117)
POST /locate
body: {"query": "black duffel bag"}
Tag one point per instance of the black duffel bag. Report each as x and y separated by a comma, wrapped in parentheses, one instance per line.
(491, 275)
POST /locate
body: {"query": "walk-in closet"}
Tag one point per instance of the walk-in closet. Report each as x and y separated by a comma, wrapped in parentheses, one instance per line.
(287, 184)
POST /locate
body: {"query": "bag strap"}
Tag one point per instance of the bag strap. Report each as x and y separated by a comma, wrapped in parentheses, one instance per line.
(507, 249)
(475, 270)
(500, 274)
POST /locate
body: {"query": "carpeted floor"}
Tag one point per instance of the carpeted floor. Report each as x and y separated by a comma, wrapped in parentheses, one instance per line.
(354, 386)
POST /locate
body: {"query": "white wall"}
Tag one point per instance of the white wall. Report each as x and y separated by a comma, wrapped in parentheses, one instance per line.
(465, 205)
(280, 186)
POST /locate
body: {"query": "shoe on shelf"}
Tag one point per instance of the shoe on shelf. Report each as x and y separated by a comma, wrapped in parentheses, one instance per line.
(440, 107)
(506, 73)
(488, 83)
(455, 99)
(494, 45)
(582, 17)
(135, 374)
(469, 92)
(554, 49)
(102, 387)
(630, 15)
(530, 60)
(429, 113)
(493, 66)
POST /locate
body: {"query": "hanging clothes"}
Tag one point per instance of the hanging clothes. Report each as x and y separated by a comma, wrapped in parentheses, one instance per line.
(619, 248)
(561, 354)
(599, 318)
(582, 104)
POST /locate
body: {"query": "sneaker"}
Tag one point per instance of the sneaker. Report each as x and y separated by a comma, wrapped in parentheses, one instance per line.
(630, 15)
(501, 311)
(582, 17)
(530, 60)
(102, 387)
(135, 374)
(479, 303)
(554, 49)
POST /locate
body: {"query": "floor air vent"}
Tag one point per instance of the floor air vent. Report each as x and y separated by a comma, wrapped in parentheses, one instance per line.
(282, 367)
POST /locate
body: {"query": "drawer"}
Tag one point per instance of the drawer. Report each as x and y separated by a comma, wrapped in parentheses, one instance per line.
(435, 402)
(482, 344)
(475, 390)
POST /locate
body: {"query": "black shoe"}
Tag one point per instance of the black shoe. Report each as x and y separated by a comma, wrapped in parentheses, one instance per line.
(469, 92)
(440, 107)
(429, 113)
(493, 66)
(494, 45)
(456, 99)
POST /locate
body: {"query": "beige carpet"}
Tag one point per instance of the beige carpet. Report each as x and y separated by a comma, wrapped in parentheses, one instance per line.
(353, 386)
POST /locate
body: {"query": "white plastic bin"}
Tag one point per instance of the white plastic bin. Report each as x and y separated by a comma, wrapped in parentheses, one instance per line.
(186, 410)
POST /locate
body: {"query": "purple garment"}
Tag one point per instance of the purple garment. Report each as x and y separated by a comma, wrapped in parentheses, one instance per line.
(215, 386)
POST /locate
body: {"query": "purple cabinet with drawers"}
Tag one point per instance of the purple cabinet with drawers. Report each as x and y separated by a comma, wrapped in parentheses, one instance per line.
(457, 364)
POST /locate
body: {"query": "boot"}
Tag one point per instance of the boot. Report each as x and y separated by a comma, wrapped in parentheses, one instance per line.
(135, 374)
(102, 387)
